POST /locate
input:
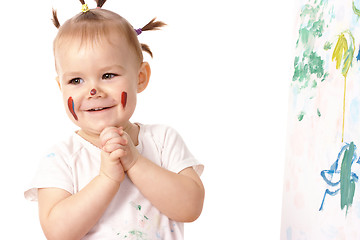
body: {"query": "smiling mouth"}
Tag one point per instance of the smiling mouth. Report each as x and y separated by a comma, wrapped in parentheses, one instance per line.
(97, 109)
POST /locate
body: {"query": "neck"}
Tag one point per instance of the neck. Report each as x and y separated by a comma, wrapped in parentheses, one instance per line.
(94, 138)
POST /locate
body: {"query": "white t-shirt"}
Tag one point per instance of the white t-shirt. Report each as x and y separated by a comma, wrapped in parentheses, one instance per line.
(73, 163)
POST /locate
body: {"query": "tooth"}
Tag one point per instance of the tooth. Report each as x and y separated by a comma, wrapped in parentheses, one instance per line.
(97, 109)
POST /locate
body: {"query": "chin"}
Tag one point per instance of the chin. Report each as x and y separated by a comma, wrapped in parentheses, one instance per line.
(101, 126)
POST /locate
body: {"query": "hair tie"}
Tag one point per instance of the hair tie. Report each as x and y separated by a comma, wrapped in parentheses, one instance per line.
(84, 8)
(138, 31)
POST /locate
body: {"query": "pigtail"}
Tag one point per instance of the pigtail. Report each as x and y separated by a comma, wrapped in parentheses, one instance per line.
(146, 48)
(152, 25)
(88, 16)
(55, 19)
(100, 3)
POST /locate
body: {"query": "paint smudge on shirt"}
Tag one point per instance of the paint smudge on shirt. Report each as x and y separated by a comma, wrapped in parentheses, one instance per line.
(138, 207)
(137, 233)
(133, 234)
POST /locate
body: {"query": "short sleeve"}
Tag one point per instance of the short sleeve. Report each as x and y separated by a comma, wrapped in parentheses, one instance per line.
(176, 155)
(53, 172)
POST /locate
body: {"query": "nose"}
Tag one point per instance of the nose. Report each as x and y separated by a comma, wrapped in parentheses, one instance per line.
(93, 92)
(94, 89)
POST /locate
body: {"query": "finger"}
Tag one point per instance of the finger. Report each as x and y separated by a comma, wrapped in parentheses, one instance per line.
(126, 137)
(118, 140)
(106, 130)
(121, 131)
(117, 154)
(109, 134)
(109, 148)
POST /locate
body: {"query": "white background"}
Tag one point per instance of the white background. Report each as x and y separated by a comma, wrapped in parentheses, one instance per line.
(220, 76)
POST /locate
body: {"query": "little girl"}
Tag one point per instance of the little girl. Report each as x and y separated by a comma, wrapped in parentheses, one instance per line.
(112, 179)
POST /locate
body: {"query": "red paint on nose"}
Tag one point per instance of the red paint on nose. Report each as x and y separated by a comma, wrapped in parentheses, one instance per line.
(93, 92)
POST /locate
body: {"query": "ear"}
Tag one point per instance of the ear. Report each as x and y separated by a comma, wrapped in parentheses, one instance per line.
(58, 81)
(144, 77)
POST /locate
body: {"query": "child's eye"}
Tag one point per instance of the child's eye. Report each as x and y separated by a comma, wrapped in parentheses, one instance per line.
(76, 81)
(108, 75)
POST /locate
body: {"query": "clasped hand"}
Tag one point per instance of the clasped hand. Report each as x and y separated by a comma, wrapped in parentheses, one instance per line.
(118, 153)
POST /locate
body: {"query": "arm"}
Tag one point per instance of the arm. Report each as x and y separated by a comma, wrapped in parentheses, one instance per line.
(178, 196)
(66, 216)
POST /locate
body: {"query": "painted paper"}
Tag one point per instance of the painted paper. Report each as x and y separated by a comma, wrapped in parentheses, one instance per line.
(321, 198)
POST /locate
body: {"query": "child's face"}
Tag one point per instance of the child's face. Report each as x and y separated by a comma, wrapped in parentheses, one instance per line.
(99, 83)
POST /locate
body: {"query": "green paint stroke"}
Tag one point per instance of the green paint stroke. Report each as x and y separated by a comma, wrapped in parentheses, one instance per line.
(318, 113)
(347, 185)
(301, 116)
(355, 9)
(312, 25)
(138, 207)
(309, 67)
(327, 45)
(310, 64)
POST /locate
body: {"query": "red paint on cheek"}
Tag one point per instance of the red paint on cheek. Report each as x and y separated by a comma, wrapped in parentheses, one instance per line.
(123, 99)
(71, 107)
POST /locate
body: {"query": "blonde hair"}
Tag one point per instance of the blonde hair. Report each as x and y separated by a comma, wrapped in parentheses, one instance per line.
(95, 24)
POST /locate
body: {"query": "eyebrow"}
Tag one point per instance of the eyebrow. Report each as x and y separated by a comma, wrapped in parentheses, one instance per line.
(72, 74)
(104, 69)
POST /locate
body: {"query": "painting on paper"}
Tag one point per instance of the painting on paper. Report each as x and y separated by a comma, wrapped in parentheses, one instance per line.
(321, 198)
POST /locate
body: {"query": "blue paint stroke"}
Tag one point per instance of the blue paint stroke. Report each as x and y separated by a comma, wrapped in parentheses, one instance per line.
(327, 175)
(358, 56)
